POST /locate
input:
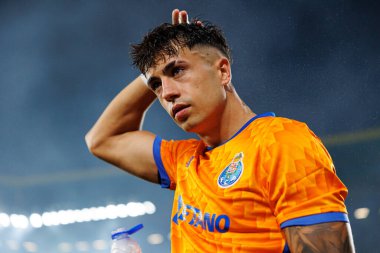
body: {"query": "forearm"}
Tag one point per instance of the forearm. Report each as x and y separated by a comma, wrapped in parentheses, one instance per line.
(124, 114)
(334, 237)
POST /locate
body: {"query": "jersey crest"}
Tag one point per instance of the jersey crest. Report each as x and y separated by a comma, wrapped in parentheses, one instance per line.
(232, 173)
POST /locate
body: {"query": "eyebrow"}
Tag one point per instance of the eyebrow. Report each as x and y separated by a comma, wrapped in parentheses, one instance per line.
(168, 67)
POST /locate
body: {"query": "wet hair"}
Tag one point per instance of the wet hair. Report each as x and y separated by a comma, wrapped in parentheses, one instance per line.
(167, 40)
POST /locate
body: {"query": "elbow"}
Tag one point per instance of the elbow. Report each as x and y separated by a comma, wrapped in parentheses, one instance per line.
(92, 143)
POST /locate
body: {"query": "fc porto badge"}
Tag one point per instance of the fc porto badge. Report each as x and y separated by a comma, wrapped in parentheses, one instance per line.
(232, 173)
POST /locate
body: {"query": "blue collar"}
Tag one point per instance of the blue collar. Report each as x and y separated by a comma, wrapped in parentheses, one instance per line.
(267, 114)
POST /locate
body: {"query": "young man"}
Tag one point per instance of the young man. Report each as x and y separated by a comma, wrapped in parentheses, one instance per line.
(252, 183)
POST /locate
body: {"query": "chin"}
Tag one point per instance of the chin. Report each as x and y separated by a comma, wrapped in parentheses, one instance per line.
(187, 126)
(193, 125)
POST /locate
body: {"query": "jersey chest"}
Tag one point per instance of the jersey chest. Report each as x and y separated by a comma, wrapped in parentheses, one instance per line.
(223, 188)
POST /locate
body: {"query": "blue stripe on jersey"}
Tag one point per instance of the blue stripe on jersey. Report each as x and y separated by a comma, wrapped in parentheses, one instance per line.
(165, 181)
(316, 219)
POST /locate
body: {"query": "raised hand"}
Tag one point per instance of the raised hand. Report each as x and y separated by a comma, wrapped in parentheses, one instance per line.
(179, 17)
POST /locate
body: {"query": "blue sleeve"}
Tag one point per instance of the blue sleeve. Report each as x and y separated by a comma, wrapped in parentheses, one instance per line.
(164, 178)
(316, 219)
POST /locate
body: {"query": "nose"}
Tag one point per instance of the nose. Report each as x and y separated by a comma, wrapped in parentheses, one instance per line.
(170, 90)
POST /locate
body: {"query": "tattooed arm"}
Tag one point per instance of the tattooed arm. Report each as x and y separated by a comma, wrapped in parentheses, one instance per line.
(332, 237)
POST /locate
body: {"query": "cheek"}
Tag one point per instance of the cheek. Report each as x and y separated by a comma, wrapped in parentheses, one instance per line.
(211, 101)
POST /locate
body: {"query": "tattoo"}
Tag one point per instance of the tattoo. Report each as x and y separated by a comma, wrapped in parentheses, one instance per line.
(332, 237)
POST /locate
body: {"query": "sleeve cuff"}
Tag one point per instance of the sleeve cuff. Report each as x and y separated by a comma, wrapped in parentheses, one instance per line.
(316, 219)
(164, 178)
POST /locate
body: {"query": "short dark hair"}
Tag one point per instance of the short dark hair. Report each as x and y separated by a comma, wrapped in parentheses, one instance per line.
(166, 40)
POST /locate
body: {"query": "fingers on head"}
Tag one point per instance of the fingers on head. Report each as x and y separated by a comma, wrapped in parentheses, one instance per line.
(179, 17)
(183, 17)
(175, 17)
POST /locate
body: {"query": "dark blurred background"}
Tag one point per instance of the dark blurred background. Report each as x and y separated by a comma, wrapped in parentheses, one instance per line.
(61, 62)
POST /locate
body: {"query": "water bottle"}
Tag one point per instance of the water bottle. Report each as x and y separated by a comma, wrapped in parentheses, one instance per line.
(122, 243)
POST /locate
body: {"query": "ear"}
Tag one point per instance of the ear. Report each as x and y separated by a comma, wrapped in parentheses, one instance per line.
(225, 71)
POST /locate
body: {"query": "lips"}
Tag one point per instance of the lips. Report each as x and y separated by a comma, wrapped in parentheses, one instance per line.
(178, 108)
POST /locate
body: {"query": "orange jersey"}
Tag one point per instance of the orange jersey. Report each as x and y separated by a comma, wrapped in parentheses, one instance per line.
(236, 197)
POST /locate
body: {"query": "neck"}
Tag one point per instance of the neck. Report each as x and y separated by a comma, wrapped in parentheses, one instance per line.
(235, 114)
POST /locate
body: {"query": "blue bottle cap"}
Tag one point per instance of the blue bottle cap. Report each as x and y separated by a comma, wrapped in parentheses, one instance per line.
(121, 231)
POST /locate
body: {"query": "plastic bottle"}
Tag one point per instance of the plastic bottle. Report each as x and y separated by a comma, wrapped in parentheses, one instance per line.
(123, 243)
